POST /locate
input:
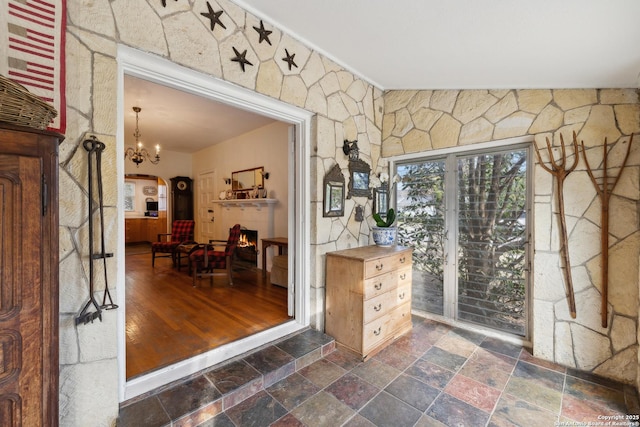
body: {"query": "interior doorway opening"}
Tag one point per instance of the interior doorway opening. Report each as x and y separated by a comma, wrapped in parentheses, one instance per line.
(146, 66)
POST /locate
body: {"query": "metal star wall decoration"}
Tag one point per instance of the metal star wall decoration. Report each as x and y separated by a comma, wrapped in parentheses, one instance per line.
(213, 16)
(289, 59)
(264, 34)
(241, 58)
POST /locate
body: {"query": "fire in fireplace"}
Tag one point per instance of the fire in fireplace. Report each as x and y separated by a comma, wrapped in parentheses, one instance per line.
(247, 249)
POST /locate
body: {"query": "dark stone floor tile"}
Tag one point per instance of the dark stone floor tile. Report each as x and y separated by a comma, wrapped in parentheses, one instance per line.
(376, 373)
(433, 375)
(512, 412)
(586, 412)
(532, 391)
(220, 420)
(474, 337)
(443, 358)
(322, 373)
(502, 347)
(189, 396)
(386, 410)
(269, 359)
(232, 376)
(543, 376)
(414, 342)
(453, 412)
(259, 410)
(487, 367)
(288, 421)
(353, 391)
(414, 392)
(323, 410)
(526, 356)
(293, 390)
(318, 337)
(358, 421)
(606, 398)
(146, 412)
(397, 358)
(299, 345)
(427, 421)
(344, 358)
(587, 376)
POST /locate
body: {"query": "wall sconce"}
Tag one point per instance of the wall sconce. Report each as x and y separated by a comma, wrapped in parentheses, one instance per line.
(265, 175)
(227, 181)
(350, 148)
(141, 154)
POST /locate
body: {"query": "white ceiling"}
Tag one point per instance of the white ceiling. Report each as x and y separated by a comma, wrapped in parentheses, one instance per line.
(469, 44)
(418, 44)
(179, 121)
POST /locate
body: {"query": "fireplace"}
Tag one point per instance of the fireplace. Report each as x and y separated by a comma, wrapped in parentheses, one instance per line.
(247, 249)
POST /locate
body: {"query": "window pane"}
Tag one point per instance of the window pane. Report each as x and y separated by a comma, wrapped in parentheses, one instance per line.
(420, 206)
(491, 240)
(129, 196)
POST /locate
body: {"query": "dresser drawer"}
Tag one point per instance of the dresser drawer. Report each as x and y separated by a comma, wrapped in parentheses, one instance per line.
(400, 318)
(378, 306)
(384, 265)
(403, 294)
(376, 332)
(380, 284)
(404, 275)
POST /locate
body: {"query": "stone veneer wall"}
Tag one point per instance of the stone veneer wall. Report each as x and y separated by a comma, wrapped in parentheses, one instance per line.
(346, 107)
(421, 121)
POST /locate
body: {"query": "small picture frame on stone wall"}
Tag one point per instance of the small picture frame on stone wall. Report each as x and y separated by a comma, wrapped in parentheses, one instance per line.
(333, 203)
(359, 182)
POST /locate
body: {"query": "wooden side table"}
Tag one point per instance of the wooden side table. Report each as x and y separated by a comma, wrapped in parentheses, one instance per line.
(281, 242)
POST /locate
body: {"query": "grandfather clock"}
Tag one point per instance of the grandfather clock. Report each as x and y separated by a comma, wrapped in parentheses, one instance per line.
(181, 198)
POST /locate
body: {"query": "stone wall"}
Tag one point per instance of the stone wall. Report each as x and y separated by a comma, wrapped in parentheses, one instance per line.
(346, 107)
(422, 121)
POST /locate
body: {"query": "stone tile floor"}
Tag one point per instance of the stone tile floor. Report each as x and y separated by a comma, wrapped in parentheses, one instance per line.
(434, 375)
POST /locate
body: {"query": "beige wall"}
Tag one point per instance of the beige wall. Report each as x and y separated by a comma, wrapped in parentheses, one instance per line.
(422, 121)
(345, 107)
(267, 147)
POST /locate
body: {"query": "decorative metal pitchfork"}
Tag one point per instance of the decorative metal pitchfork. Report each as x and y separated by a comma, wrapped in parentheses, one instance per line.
(604, 185)
(560, 171)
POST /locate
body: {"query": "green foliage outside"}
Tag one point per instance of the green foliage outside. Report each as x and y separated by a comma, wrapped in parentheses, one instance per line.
(491, 202)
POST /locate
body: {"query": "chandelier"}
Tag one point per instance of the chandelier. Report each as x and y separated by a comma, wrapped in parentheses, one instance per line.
(141, 154)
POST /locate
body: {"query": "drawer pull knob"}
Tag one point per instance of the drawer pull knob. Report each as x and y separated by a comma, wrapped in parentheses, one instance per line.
(377, 331)
(402, 260)
(379, 267)
(401, 296)
(403, 276)
(378, 286)
(378, 307)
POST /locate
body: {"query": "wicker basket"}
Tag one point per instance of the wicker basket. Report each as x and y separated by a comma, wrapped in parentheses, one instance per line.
(20, 107)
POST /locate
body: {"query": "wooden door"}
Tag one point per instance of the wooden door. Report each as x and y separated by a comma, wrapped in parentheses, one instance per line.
(21, 317)
(28, 277)
(206, 192)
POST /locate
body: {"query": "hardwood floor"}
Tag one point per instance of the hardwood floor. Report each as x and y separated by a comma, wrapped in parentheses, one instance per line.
(168, 320)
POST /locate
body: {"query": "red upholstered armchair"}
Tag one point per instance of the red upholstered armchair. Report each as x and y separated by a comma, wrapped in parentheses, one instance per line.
(206, 258)
(181, 231)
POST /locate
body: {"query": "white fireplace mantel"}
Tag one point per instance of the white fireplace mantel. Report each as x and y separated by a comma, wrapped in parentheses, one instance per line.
(246, 203)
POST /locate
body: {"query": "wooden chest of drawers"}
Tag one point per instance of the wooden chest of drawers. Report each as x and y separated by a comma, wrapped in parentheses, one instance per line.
(368, 296)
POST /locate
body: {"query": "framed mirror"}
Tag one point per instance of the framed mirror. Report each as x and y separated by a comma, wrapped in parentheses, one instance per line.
(381, 200)
(359, 181)
(247, 179)
(333, 203)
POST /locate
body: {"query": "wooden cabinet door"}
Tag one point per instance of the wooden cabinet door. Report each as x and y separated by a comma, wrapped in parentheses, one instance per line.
(22, 383)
